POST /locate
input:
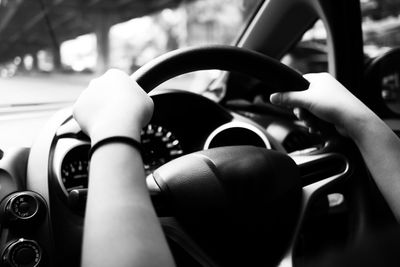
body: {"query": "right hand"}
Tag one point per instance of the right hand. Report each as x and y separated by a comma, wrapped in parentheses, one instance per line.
(113, 105)
(329, 100)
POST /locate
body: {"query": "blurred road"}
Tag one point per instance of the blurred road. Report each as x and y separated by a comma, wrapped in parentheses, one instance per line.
(27, 102)
(41, 88)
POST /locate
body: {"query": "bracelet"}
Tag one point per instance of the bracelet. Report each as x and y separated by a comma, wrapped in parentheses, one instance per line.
(116, 139)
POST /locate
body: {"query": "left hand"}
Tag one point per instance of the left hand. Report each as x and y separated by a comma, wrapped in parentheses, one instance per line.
(113, 105)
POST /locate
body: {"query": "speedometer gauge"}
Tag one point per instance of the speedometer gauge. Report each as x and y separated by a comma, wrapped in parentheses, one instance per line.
(74, 168)
(75, 174)
(160, 145)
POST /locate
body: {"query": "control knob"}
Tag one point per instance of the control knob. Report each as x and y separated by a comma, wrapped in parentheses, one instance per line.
(23, 207)
(22, 252)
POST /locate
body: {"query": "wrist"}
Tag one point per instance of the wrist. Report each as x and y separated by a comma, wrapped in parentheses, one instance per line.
(102, 132)
(116, 139)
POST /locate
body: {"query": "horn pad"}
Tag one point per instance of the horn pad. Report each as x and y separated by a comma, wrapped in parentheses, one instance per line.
(240, 204)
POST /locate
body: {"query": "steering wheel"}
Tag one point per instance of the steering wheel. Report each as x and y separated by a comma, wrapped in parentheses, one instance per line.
(224, 206)
(232, 202)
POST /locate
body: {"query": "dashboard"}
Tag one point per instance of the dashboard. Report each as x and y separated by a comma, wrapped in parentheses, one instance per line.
(182, 123)
(58, 165)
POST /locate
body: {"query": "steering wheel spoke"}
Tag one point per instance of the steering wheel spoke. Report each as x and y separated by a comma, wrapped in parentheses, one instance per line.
(315, 166)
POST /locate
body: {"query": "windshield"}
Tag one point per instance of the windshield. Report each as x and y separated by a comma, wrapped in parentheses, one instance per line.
(50, 50)
(380, 26)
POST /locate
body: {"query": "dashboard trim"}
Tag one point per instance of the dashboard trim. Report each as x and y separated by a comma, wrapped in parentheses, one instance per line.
(64, 146)
(237, 124)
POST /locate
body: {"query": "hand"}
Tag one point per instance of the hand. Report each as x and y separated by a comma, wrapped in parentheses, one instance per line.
(112, 105)
(329, 100)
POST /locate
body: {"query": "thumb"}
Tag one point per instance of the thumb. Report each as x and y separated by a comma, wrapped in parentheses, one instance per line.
(290, 99)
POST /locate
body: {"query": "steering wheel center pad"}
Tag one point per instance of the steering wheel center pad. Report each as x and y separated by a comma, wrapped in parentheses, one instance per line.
(277, 76)
(238, 203)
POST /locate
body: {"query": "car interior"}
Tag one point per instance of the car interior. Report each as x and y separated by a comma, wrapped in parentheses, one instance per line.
(235, 180)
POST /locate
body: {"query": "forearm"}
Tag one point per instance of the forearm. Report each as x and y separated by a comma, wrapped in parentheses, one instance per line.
(329, 100)
(380, 148)
(121, 227)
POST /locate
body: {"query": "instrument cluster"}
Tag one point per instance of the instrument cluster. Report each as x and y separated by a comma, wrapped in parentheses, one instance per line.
(160, 145)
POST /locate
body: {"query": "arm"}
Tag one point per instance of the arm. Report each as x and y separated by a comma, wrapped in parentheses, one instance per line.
(327, 99)
(121, 227)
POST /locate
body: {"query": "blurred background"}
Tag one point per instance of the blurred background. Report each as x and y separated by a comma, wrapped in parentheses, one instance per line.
(91, 36)
(51, 49)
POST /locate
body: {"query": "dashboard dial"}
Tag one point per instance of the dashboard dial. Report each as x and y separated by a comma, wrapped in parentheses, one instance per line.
(74, 170)
(159, 146)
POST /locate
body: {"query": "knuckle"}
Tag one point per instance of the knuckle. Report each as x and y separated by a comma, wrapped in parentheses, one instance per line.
(284, 98)
(325, 75)
(150, 104)
(111, 71)
(93, 82)
(114, 73)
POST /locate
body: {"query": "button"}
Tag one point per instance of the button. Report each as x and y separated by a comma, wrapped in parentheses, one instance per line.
(24, 207)
(24, 255)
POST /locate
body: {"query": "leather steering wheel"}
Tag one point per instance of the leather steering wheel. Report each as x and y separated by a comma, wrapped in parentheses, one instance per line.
(234, 206)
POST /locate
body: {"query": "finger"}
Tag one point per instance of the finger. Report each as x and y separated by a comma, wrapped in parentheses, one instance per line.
(296, 112)
(290, 99)
(315, 124)
(311, 76)
(307, 117)
(308, 122)
(317, 76)
(115, 73)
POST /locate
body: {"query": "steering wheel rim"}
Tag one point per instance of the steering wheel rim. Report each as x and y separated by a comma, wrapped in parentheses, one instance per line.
(277, 76)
